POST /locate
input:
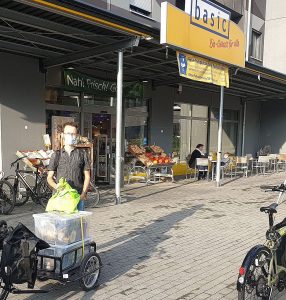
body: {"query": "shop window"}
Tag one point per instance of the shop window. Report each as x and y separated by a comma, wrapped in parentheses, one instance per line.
(256, 45)
(192, 126)
(136, 130)
(199, 133)
(182, 110)
(61, 97)
(99, 101)
(142, 7)
(229, 137)
(180, 4)
(199, 111)
(228, 114)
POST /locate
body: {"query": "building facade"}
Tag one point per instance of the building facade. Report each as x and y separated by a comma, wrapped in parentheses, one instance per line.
(160, 107)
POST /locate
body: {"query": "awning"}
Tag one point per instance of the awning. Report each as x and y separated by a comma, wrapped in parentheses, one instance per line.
(61, 39)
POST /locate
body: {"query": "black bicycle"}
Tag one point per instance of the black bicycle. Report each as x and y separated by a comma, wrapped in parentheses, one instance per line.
(263, 271)
(36, 187)
(7, 196)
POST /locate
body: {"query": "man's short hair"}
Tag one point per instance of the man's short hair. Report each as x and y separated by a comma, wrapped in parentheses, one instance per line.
(72, 124)
(199, 145)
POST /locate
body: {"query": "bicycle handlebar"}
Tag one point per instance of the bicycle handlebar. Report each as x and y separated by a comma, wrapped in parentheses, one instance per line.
(274, 188)
(18, 159)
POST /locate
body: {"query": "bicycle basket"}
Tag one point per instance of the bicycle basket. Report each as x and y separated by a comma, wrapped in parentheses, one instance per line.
(19, 256)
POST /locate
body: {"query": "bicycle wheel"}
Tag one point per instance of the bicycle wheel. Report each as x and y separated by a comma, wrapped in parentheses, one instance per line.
(92, 197)
(255, 282)
(7, 197)
(44, 191)
(22, 195)
(90, 271)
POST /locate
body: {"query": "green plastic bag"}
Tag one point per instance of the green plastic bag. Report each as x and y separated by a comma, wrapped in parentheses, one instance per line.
(65, 199)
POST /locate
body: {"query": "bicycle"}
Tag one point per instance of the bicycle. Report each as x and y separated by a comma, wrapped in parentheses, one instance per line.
(7, 196)
(92, 197)
(264, 266)
(40, 192)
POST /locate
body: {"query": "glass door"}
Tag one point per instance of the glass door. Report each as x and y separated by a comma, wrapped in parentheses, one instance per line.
(101, 136)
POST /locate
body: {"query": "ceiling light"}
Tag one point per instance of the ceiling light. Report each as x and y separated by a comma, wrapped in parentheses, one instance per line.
(148, 38)
(145, 81)
(176, 107)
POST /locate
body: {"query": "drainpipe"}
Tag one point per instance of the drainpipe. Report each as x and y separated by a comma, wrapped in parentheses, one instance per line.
(243, 130)
(219, 137)
(248, 30)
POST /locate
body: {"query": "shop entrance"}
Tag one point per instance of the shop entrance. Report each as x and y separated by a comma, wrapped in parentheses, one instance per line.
(103, 148)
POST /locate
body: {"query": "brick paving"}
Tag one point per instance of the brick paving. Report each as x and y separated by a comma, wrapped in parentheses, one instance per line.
(177, 241)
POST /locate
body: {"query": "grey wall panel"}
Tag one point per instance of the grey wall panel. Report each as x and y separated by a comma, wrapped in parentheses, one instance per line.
(273, 124)
(22, 105)
(252, 128)
(161, 118)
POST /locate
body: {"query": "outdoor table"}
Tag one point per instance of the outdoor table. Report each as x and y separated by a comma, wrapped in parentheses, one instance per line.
(160, 171)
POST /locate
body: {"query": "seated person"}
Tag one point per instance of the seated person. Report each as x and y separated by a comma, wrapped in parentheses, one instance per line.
(198, 153)
(225, 160)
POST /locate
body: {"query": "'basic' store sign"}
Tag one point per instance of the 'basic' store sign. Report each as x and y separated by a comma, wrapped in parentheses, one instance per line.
(204, 29)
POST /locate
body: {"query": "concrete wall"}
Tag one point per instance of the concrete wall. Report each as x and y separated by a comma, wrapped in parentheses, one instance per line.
(274, 41)
(273, 124)
(22, 106)
(252, 128)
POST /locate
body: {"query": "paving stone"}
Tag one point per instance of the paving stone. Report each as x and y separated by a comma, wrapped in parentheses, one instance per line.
(177, 241)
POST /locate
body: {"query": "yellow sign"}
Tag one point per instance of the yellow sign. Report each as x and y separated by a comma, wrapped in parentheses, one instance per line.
(206, 30)
(202, 69)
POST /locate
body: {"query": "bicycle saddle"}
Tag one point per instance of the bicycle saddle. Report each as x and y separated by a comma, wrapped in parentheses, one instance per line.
(270, 208)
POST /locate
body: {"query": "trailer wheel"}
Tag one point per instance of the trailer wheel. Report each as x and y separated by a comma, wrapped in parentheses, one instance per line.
(90, 271)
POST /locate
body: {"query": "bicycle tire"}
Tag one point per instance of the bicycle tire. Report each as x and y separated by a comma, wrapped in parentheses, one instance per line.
(7, 197)
(44, 191)
(22, 195)
(250, 288)
(92, 197)
(4, 294)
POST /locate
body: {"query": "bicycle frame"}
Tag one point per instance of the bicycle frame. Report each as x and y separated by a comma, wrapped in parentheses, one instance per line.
(274, 268)
(19, 175)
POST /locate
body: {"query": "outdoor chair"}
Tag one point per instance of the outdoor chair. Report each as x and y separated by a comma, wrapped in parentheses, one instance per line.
(273, 160)
(202, 165)
(241, 165)
(281, 163)
(229, 168)
(262, 164)
(189, 170)
(250, 162)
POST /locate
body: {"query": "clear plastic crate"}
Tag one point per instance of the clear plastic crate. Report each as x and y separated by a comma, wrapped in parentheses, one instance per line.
(68, 259)
(62, 229)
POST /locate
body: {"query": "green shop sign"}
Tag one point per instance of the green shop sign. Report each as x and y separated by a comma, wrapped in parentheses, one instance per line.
(83, 83)
(79, 82)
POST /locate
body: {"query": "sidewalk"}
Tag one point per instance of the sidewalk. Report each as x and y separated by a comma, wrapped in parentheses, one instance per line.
(174, 241)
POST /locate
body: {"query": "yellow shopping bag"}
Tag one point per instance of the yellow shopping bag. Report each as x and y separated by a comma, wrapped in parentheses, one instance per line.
(65, 199)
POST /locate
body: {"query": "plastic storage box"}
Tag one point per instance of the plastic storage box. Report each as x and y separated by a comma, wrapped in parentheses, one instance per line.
(61, 229)
(71, 254)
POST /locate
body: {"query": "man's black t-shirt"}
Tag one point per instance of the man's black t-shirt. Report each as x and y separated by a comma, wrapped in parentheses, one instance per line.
(71, 167)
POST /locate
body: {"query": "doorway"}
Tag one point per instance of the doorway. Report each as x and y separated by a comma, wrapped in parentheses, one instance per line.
(102, 143)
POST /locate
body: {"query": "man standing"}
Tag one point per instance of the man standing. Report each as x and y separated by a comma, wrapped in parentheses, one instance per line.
(71, 163)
